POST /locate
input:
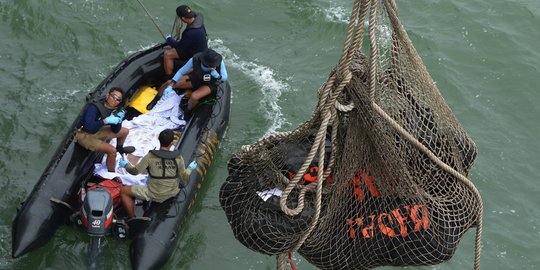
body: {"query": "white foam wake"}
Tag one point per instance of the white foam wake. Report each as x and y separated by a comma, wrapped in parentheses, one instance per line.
(271, 88)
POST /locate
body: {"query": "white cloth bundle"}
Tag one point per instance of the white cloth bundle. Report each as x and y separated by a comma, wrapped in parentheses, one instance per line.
(143, 134)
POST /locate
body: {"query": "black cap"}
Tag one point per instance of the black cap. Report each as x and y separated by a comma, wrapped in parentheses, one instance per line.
(211, 58)
(166, 137)
(185, 11)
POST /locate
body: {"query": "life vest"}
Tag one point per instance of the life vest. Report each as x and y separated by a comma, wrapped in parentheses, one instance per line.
(165, 155)
(104, 112)
(197, 23)
(196, 37)
(200, 75)
(100, 105)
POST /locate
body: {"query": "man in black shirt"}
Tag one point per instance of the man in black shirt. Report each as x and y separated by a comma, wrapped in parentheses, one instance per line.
(193, 40)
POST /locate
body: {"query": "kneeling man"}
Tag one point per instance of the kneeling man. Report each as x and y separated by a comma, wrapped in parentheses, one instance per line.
(164, 168)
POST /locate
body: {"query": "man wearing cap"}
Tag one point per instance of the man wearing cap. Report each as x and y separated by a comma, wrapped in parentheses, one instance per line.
(164, 167)
(203, 73)
(193, 40)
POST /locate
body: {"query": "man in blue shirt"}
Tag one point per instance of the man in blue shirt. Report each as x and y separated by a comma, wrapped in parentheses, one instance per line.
(101, 122)
(193, 40)
(203, 73)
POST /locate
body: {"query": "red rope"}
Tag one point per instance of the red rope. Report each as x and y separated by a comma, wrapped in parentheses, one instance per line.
(293, 267)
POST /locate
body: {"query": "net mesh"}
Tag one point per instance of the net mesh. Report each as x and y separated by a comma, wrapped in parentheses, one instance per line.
(376, 177)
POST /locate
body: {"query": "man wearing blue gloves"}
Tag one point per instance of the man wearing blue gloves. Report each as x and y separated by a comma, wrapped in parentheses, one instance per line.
(164, 168)
(203, 73)
(193, 40)
(101, 122)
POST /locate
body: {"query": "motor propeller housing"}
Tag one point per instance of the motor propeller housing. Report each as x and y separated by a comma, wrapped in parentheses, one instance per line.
(97, 212)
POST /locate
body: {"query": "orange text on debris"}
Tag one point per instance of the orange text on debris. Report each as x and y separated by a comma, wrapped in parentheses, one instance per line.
(361, 179)
(400, 221)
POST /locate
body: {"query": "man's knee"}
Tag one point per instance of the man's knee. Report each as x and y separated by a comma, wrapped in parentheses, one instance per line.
(112, 154)
(126, 191)
(123, 132)
(203, 91)
(170, 54)
(108, 149)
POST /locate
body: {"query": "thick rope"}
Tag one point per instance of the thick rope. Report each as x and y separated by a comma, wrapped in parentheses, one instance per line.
(327, 116)
(344, 108)
(392, 10)
(282, 261)
(327, 102)
(176, 29)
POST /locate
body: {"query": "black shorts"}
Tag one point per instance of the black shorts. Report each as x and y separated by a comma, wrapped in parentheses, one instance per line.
(182, 55)
(196, 84)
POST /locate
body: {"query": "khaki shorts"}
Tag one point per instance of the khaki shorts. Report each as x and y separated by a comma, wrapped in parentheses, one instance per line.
(93, 141)
(140, 192)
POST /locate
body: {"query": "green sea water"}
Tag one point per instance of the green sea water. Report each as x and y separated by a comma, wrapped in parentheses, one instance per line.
(484, 56)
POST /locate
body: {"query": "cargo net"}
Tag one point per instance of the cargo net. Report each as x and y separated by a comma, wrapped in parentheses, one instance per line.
(377, 176)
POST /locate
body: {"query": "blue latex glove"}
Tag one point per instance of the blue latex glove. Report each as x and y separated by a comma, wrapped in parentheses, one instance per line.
(113, 120)
(214, 74)
(122, 163)
(193, 165)
(121, 113)
(167, 90)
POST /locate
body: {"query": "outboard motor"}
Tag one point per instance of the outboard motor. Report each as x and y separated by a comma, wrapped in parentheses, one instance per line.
(97, 214)
(97, 218)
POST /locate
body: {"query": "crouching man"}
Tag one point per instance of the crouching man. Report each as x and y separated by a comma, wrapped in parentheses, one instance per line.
(164, 168)
(101, 122)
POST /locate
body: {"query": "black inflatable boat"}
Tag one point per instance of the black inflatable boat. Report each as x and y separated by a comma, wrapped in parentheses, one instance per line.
(39, 217)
